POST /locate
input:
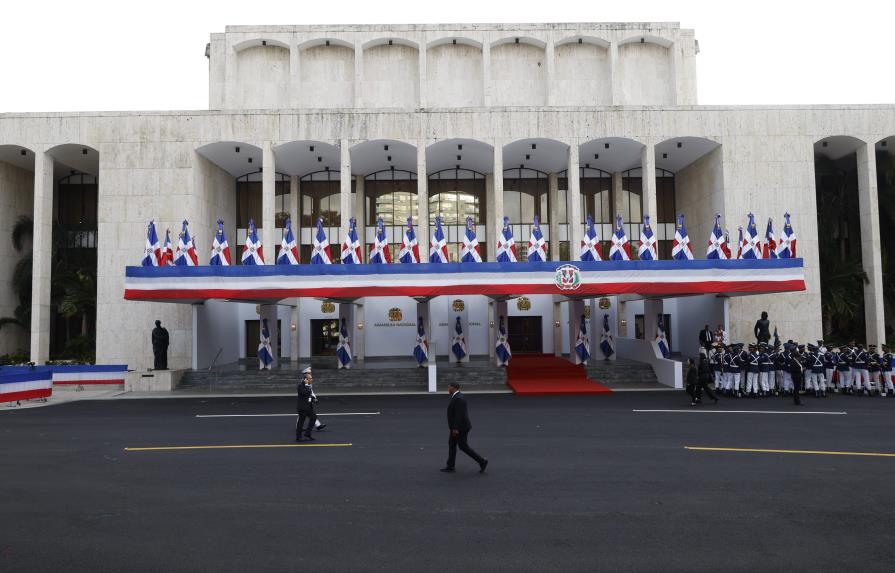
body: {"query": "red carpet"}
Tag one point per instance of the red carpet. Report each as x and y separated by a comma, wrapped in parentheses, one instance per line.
(546, 375)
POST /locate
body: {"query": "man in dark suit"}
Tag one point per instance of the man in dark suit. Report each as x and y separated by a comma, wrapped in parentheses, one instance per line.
(305, 406)
(459, 424)
(706, 337)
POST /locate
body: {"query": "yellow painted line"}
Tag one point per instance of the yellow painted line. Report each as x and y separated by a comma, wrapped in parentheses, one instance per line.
(812, 452)
(234, 447)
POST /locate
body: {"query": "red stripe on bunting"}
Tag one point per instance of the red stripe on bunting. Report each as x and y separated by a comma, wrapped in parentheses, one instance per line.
(655, 288)
(26, 395)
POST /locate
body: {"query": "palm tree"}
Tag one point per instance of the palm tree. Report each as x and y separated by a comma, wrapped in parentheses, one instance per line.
(21, 275)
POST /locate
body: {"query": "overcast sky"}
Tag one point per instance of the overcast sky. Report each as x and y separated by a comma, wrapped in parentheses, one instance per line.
(131, 55)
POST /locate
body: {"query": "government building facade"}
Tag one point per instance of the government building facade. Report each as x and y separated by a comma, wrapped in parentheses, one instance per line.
(479, 121)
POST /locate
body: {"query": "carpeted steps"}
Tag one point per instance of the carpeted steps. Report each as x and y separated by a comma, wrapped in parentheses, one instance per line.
(545, 374)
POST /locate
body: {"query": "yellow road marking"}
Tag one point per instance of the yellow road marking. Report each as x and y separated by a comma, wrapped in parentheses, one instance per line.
(813, 452)
(234, 447)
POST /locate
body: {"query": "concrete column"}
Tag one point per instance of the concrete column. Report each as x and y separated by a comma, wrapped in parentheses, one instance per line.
(344, 192)
(500, 311)
(295, 94)
(42, 257)
(870, 240)
(576, 232)
(423, 312)
(361, 329)
(295, 332)
(648, 164)
(553, 201)
(652, 308)
(194, 340)
(294, 202)
(269, 311)
(675, 63)
(557, 329)
(613, 74)
(422, 197)
(617, 203)
(490, 253)
(576, 310)
(423, 62)
(497, 200)
(550, 57)
(486, 71)
(492, 329)
(268, 204)
(358, 75)
(361, 215)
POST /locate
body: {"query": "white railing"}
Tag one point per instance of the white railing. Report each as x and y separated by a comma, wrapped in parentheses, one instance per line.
(668, 372)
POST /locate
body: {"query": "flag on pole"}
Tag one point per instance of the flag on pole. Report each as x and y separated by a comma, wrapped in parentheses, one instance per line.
(186, 250)
(751, 241)
(680, 247)
(220, 248)
(740, 244)
(379, 252)
(770, 242)
(166, 256)
(537, 246)
(620, 249)
(458, 344)
(725, 246)
(152, 253)
(252, 252)
(289, 249)
(265, 351)
(776, 338)
(470, 251)
(320, 252)
(717, 240)
(786, 249)
(506, 245)
(590, 244)
(661, 340)
(343, 348)
(647, 249)
(607, 342)
(582, 342)
(421, 349)
(351, 253)
(503, 346)
(438, 252)
(410, 249)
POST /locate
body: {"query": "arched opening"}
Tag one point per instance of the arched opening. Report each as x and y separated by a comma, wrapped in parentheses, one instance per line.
(262, 73)
(391, 74)
(454, 71)
(16, 221)
(454, 195)
(885, 182)
(644, 73)
(518, 73)
(392, 195)
(327, 75)
(842, 276)
(582, 72)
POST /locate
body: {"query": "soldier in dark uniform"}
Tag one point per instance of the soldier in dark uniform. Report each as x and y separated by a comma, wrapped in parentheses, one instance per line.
(873, 368)
(795, 372)
(160, 341)
(886, 374)
(762, 328)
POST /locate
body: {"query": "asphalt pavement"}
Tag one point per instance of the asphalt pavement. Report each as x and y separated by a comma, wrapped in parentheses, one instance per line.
(574, 484)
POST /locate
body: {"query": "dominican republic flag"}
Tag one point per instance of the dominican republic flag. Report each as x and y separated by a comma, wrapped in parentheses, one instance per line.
(620, 249)
(289, 248)
(379, 252)
(717, 241)
(152, 254)
(725, 247)
(607, 342)
(582, 342)
(410, 249)
(252, 252)
(590, 244)
(751, 241)
(166, 258)
(537, 246)
(186, 250)
(647, 249)
(740, 244)
(660, 338)
(470, 251)
(776, 339)
(502, 350)
(458, 344)
(506, 245)
(320, 253)
(438, 249)
(220, 248)
(265, 352)
(351, 253)
(680, 247)
(786, 249)
(343, 349)
(421, 350)
(770, 243)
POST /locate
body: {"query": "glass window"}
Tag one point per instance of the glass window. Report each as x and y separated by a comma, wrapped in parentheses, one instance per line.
(321, 197)
(455, 194)
(525, 195)
(665, 197)
(391, 195)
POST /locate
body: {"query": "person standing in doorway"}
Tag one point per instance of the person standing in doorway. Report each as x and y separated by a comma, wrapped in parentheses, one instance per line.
(160, 341)
(459, 424)
(306, 406)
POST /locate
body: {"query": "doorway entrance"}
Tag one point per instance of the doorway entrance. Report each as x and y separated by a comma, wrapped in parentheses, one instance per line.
(524, 334)
(253, 338)
(324, 336)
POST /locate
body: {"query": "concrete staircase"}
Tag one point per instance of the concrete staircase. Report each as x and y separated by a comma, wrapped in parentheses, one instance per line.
(622, 374)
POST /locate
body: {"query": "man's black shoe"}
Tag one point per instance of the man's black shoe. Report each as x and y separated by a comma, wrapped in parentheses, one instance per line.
(320, 427)
(308, 437)
(482, 466)
(448, 470)
(298, 439)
